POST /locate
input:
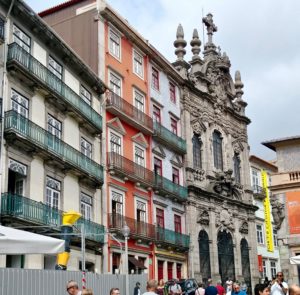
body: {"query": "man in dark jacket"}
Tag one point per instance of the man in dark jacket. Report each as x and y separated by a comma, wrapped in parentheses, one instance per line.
(137, 290)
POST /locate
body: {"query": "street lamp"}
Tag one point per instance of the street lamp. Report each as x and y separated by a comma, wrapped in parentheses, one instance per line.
(126, 232)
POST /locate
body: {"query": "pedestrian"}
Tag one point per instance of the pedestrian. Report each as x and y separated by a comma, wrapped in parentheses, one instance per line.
(174, 288)
(87, 292)
(280, 287)
(137, 289)
(221, 290)
(228, 286)
(161, 287)
(200, 290)
(294, 290)
(237, 289)
(262, 289)
(72, 288)
(151, 287)
(211, 289)
(114, 291)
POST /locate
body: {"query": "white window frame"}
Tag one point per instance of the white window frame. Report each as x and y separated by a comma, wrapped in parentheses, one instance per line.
(273, 269)
(19, 39)
(138, 199)
(53, 190)
(135, 93)
(256, 177)
(86, 206)
(119, 78)
(84, 147)
(19, 100)
(111, 52)
(85, 95)
(54, 68)
(111, 189)
(51, 128)
(260, 237)
(119, 135)
(265, 269)
(136, 66)
(135, 145)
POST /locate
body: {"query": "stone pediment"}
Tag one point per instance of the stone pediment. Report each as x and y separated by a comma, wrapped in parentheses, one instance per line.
(177, 161)
(159, 151)
(198, 126)
(237, 146)
(140, 139)
(116, 125)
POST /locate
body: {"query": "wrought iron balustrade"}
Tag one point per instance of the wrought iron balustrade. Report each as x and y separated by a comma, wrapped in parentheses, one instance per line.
(16, 123)
(32, 66)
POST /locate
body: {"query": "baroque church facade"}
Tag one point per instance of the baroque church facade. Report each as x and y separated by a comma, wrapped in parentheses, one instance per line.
(220, 211)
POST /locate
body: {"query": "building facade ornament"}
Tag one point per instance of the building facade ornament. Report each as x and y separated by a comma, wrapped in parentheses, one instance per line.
(278, 212)
(244, 228)
(203, 217)
(224, 220)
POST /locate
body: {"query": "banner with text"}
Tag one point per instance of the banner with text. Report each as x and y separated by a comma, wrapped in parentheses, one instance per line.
(267, 211)
(293, 208)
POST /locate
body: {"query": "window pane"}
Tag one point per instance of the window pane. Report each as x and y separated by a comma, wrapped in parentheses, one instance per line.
(197, 145)
(217, 150)
(21, 38)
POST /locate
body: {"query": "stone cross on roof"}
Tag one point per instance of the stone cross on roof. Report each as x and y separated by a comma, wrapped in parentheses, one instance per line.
(210, 26)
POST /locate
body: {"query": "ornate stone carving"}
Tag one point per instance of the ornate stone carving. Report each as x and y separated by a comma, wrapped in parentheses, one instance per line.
(198, 126)
(203, 218)
(199, 174)
(224, 220)
(225, 185)
(210, 26)
(244, 227)
(277, 212)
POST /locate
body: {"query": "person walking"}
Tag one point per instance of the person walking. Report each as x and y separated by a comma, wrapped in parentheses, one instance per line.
(237, 289)
(280, 287)
(137, 289)
(221, 290)
(161, 287)
(72, 288)
(174, 288)
(211, 289)
(200, 290)
(262, 289)
(151, 288)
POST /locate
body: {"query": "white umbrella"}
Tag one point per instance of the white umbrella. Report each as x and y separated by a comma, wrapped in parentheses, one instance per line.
(295, 259)
(14, 241)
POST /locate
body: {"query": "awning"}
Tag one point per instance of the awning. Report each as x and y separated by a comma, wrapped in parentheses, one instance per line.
(14, 241)
(136, 263)
(295, 259)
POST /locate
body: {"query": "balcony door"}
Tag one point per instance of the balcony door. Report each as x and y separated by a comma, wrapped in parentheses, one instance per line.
(160, 223)
(54, 128)
(139, 159)
(141, 218)
(117, 209)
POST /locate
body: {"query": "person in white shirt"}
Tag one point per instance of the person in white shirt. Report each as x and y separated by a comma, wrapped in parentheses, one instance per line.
(279, 287)
(151, 288)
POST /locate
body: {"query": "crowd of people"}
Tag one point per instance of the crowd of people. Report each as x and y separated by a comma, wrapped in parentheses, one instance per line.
(277, 286)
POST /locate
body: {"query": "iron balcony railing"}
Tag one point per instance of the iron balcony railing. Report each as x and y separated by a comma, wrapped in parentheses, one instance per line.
(16, 123)
(171, 237)
(132, 113)
(17, 54)
(2, 32)
(168, 138)
(129, 169)
(167, 187)
(31, 211)
(145, 230)
(137, 228)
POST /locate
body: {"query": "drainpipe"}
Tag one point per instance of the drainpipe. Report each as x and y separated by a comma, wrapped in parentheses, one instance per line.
(68, 220)
(3, 90)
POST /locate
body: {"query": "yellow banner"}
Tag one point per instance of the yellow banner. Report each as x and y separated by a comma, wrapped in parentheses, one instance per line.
(267, 209)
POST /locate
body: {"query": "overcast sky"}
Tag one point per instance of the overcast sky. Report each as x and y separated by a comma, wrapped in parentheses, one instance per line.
(261, 38)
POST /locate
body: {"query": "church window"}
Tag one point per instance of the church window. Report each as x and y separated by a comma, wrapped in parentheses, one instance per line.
(236, 167)
(197, 145)
(217, 150)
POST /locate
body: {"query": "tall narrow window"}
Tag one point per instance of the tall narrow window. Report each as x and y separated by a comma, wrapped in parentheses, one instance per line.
(172, 89)
(237, 167)
(19, 103)
(115, 84)
(155, 79)
(85, 95)
(156, 114)
(259, 234)
(21, 38)
(115, 143)
(177, 223)
(86, 206)
(86, 147)
(139, 156)
(139, 101)
(275, 237)
(114, 44)
(138, 66)
(55, 67)
(52, 192)
(217, 150)
(140, 211)
(273, 268)
(54, 126)
(175, 175)
(157, 166)
(174, 126)
(255, 180)
(264, 268)
(160, 217)
(197, 146)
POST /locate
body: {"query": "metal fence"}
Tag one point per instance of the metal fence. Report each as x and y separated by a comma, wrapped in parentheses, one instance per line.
(49, 282)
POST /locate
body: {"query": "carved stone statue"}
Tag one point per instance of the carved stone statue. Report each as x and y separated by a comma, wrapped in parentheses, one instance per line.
(244, 227)
(210, 26)
(277, 212)
(203, 218)
(224, 220)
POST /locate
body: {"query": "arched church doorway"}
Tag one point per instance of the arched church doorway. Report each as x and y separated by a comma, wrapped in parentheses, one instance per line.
(246, 264)
(226, 256)
(204, 256)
